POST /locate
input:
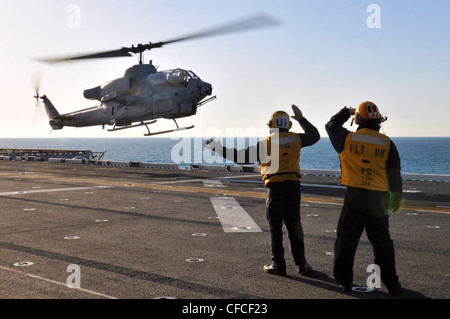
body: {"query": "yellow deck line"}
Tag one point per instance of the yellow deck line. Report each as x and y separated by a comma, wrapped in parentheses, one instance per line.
(191, 189)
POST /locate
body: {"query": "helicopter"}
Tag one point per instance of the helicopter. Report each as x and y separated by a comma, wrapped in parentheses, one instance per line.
(143, 94)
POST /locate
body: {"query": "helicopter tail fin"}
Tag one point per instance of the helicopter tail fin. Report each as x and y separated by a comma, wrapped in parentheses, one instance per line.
(50, 108)
(52, 113)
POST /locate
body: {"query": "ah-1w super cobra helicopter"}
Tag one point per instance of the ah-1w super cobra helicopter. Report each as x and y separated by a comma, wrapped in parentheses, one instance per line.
(143, 94)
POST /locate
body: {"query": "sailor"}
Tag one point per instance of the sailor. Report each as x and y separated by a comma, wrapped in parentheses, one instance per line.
(278, 156)
(370, 168)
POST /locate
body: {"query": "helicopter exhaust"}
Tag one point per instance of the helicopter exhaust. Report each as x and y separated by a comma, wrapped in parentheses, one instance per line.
(110, 90)
(93, 94)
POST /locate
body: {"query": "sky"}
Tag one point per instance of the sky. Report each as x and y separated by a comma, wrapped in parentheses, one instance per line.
(324, 55)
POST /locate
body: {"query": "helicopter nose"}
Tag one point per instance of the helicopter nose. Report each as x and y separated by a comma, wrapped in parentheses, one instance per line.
(206, 88)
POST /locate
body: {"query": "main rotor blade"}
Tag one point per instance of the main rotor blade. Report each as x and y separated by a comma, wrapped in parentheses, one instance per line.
(254, 22)
(107, 54)
(257, 21)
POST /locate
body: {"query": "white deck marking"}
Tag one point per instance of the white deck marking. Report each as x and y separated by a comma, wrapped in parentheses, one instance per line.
(56, 282)
(52, 190)
(233, 217)
(212, 183)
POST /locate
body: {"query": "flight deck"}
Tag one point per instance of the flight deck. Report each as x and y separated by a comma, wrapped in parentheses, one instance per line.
(80, 231)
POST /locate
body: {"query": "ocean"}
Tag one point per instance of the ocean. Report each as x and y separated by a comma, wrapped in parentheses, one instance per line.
(419, 155)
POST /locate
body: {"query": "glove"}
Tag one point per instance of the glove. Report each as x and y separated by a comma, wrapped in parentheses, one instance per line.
(395, 206)
(297, 113)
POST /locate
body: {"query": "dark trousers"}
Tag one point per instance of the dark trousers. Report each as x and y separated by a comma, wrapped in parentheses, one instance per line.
(283, 205)
(364, 209)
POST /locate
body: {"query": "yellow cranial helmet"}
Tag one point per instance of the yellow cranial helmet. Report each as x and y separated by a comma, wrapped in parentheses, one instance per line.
(280, 119)
(367, 111)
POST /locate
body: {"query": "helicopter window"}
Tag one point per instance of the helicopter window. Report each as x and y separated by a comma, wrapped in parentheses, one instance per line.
(193, 75)
(178, 77)
(175, 77)
(157, 78)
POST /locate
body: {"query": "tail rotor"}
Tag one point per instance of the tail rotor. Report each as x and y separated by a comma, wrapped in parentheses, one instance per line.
(36, 82)
(38, 115)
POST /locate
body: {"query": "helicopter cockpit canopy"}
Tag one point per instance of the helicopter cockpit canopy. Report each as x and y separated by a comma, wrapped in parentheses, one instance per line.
(175, 77)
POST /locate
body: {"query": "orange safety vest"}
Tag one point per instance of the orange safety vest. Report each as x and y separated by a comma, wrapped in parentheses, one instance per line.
(363, 160)
(281, 160)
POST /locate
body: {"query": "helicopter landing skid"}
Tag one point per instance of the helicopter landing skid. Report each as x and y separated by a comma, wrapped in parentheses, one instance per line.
(130, 126)
(168, 131)
(150, 133)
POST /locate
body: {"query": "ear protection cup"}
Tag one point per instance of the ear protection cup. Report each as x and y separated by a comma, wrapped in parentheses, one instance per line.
(280, 119)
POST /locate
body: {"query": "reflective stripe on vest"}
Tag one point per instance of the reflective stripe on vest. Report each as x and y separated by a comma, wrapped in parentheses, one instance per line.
(282, 158)
(363, 160)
